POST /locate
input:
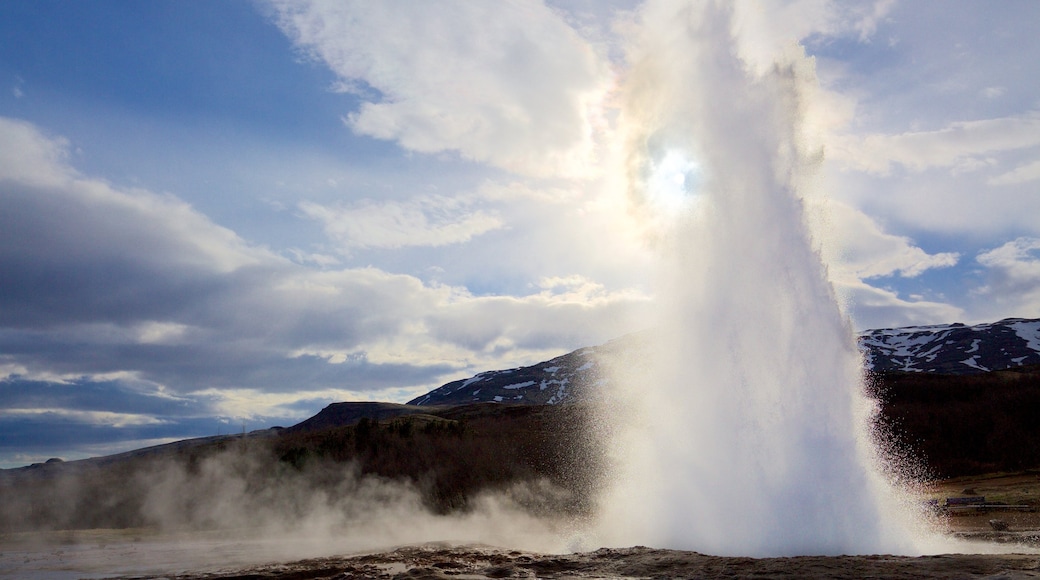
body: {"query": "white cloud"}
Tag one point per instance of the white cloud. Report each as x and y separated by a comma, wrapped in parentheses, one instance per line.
(965, 144)
(421, 221)
(993, 92)
(28, 156)
(1021, 174)
(869, 16)
(763, 29)
(1013, 278)
(863, 249)
(874, 307)
(510, 84)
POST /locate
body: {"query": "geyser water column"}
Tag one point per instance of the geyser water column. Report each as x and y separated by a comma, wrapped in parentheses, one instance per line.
(745, 433)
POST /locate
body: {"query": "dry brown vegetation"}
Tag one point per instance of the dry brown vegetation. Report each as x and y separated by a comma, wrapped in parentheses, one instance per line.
(965, 424)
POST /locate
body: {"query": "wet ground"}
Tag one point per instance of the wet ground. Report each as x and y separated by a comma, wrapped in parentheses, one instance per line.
(145, 554)
(443, 563)
(102, 554)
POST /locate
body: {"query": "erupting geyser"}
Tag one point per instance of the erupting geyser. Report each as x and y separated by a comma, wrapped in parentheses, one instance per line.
(747, 432)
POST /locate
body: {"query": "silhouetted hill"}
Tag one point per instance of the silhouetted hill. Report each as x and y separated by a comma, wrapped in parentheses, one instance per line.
(340, 414)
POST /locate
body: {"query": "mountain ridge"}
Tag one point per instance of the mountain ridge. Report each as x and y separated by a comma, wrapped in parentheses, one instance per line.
(955, 348)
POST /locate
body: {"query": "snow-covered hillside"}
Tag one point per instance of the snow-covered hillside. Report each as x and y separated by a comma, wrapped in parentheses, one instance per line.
(946, 348)
(953, 348)
(545, 383)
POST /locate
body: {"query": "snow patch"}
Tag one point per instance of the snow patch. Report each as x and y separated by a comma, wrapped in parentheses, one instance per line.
(971, 363)
(475, 378)
(1029, 332)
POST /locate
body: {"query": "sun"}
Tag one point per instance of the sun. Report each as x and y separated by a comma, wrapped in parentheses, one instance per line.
(673, 182)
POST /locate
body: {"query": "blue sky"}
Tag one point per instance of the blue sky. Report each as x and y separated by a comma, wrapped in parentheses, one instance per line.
(234, 213)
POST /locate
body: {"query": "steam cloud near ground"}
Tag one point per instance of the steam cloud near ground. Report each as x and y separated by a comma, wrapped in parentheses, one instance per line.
(239, 507)
(236, 491)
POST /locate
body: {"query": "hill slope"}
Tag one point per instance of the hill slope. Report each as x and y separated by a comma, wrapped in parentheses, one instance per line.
(953, 349)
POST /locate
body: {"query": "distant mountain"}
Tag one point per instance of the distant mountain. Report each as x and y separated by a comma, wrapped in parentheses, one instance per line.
(954, 349)
(564, 378)
(545, 383)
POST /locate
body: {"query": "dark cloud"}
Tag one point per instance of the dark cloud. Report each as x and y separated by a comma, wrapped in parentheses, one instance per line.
(95, 281)
(87, 395)
(84, 254)
(191, 367)
(57, 418)
(55, 432)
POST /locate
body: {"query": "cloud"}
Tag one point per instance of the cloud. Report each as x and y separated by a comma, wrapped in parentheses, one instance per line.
(123, 301)
(1013, 278)
(421, 221)
(764, 29)
(1021, 174)
(572, 310)
(963, 144)
(870, 16)
(510, 84)
(863, 249)
(993, 92)
(28, 156)
(108, 418)
(874, 307)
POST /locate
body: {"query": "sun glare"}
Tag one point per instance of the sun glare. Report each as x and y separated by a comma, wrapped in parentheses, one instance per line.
(673, 181)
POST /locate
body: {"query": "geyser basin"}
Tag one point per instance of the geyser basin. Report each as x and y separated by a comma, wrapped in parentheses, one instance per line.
(747, 433)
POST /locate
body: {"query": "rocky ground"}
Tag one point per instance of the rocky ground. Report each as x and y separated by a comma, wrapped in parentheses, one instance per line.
(114, 554)
(142, 554)
(441, 562)
(445, 562)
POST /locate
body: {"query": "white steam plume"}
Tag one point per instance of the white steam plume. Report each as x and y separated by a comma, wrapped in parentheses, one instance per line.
(746, 433)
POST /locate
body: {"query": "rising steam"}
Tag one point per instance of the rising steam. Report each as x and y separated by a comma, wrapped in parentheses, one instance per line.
(745, 433)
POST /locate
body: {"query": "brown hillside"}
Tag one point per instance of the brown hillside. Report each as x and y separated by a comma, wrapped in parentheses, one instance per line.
(965, 424)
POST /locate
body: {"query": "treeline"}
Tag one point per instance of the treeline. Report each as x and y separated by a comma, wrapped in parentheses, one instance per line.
(462, 451)
(964, 424)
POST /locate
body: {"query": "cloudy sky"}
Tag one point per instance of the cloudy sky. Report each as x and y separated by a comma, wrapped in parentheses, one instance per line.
(226, 215)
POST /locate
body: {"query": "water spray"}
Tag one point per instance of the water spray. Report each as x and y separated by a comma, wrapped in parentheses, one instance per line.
(744, 428)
